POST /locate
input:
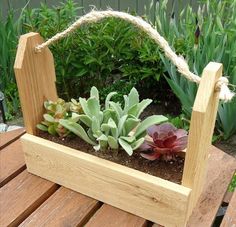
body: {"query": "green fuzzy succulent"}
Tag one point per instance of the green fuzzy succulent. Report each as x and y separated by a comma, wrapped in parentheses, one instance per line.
(55, 111)
(112, 126)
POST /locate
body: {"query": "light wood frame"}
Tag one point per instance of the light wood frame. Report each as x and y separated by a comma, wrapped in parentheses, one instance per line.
(150, 197)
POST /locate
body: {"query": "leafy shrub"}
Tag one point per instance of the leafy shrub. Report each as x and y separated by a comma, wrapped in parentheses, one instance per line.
(203, 36)
(112, 54)
(111, 127)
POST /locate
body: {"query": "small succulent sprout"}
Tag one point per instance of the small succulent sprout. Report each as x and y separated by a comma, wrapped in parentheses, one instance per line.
(75, 106)
(112, 127)
(55, 111)
(167, 141)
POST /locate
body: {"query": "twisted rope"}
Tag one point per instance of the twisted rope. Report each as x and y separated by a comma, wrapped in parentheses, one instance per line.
(178, 61)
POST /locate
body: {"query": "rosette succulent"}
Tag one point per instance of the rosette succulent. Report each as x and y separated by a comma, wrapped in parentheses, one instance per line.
(112, 126)
(166, 141)
(55, 111)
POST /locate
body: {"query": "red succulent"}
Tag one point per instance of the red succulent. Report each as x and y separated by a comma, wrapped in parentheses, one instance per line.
(167, 140)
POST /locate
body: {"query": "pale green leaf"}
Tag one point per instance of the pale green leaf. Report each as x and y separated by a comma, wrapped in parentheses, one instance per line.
(126, 147)
(108, 98)
(133, 97)
(136, 144)
(48, 118)
(94, 93)
(113, 143)
(128, 139)
(77, 130)
(42, 127)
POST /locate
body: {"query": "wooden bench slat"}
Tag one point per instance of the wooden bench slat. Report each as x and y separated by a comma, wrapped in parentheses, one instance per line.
(108, 216)
(21, 196)
(11, 162)
(221, 168)
(230, 215)
(8, 137)
(64, 208)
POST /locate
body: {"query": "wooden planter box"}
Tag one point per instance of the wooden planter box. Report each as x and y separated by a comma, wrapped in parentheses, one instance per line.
(150, 197)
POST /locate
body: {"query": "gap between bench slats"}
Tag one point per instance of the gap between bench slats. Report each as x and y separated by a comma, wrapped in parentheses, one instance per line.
(21, 196)
(108, 216)
(8, 137)
(11, 162)
(64, 208)
(230, 215)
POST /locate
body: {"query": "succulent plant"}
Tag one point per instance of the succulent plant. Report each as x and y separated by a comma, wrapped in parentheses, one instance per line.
(54, 112)
(167, 140)
(75, 106)
(113, 126)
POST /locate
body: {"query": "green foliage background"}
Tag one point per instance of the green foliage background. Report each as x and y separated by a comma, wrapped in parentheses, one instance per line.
(114, 55)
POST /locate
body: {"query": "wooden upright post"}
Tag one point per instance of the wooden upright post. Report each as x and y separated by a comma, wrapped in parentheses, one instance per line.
(201, 131)
(35, 76)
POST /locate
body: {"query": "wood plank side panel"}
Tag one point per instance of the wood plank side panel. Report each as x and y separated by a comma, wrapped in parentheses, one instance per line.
(65, 207)
(35, 76)
(201, 131)
(21, 196)
(108, 216)
(230, 215)
(141, 194)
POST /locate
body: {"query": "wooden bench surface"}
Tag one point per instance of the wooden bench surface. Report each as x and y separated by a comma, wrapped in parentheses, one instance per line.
(28, 200)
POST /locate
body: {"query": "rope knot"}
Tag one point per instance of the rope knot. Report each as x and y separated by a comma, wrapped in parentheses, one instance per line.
(221, 81)
(222, 87)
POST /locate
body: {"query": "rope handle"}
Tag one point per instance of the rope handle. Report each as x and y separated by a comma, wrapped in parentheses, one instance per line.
(178, 61)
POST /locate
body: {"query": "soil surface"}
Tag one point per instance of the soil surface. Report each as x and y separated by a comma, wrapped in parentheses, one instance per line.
(168, 170)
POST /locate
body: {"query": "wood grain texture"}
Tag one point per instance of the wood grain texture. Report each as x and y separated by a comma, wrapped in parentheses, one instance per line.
(8, 137)
(200, 134)
(144, 195)
(64, 208)
(227, 197)
(35, 76)
(230, 215)
(108, 216)
(21, 196)
(220, 171)
(11, 162)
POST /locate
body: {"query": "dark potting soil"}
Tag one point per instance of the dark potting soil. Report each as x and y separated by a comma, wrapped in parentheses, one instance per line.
(168, 170)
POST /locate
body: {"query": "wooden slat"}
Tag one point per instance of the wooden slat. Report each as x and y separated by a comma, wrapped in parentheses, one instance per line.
(144, 195)
(230, 215)
(11, 162)
(108, 216)
(220, 171)
(21, 196)
(65, 207)
(200, 134)
(35, 76)
(9, 137)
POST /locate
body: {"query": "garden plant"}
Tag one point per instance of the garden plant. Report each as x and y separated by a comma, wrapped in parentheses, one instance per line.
(114, 126)
(121, 59)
